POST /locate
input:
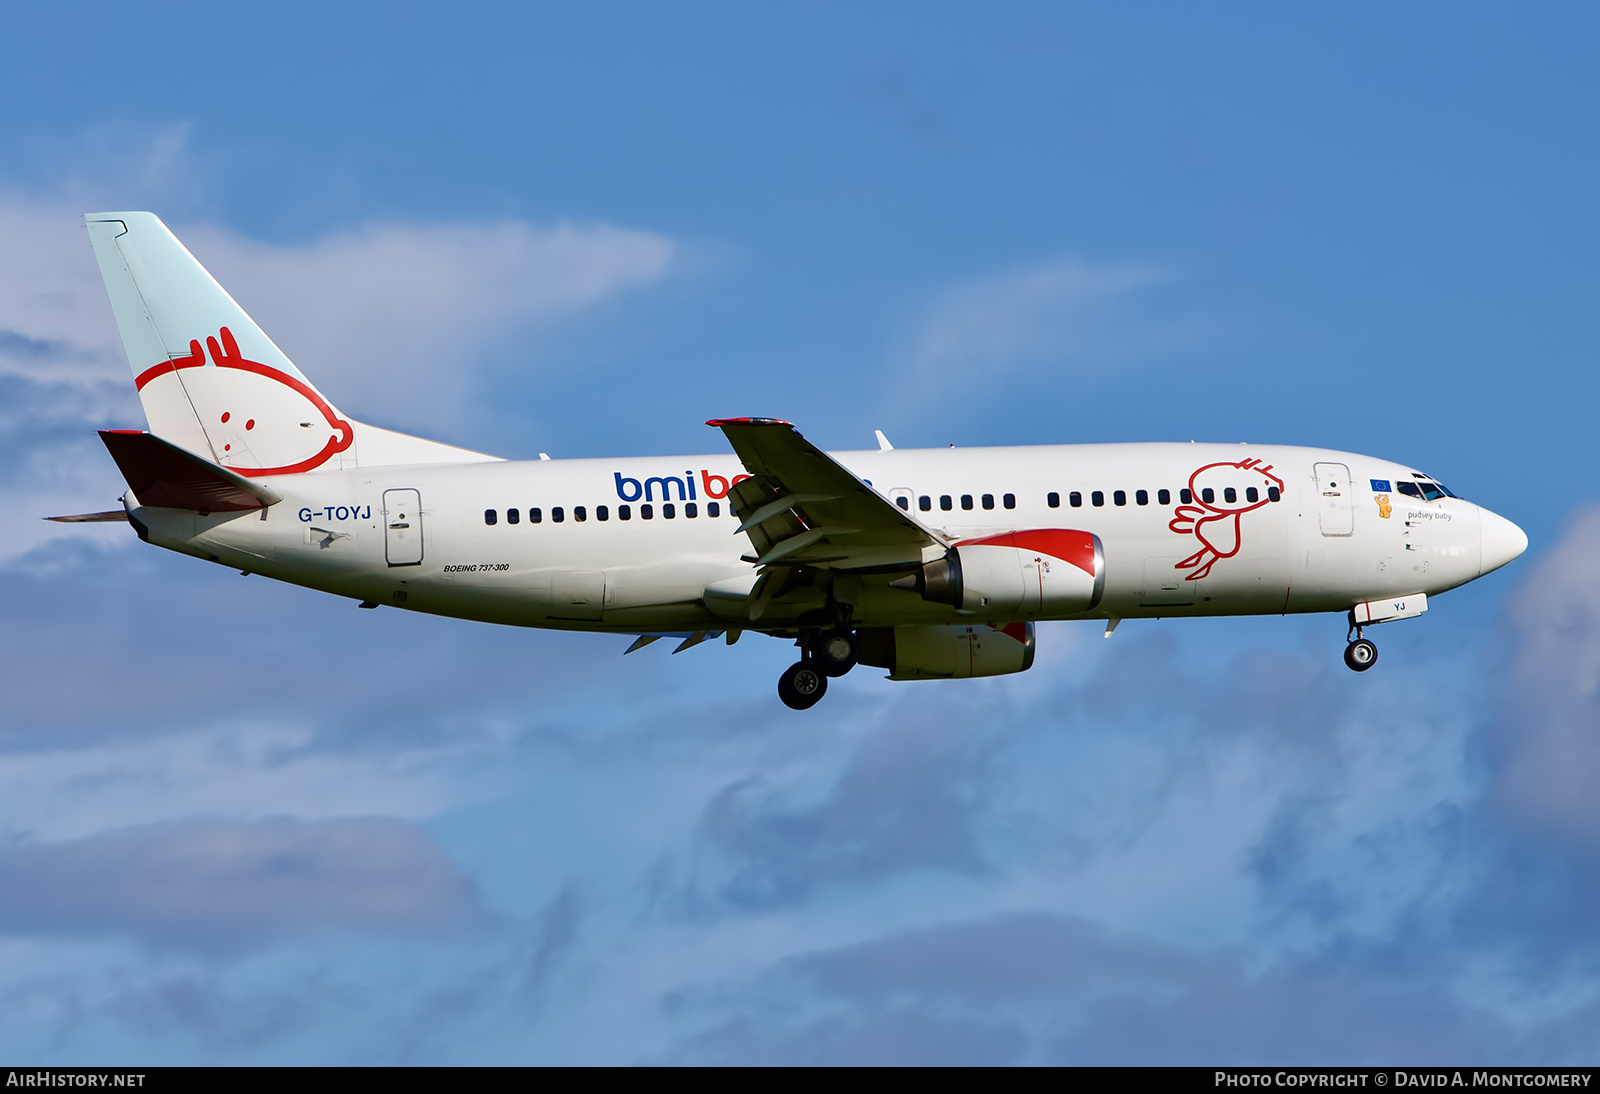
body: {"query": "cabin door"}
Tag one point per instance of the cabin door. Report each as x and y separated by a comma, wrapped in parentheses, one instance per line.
(402, 527)
(1336, 513)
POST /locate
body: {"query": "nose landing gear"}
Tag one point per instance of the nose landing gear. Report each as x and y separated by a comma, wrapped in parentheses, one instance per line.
(1360, 654)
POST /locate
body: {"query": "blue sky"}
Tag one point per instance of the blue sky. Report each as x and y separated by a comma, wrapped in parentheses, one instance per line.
(242, 822)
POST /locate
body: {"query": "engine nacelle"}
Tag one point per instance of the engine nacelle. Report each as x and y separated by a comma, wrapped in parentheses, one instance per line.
(948, 653)
(1038, 573)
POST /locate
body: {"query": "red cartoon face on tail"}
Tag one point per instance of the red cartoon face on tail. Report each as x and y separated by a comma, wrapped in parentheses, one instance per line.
(258, 419)
(1222, 493)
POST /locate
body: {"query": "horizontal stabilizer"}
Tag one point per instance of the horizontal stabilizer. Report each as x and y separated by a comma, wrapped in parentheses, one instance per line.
(801, 507)
(163, 475)
(92, 518)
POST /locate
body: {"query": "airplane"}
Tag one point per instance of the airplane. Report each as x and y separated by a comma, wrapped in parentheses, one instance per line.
(930, 563)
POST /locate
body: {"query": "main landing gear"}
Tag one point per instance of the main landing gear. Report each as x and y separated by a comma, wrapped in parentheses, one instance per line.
(802, 685)
(831, 653)
(1360, 654)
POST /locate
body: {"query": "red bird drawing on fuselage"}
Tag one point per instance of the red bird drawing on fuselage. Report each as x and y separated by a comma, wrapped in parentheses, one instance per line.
(1222, 493)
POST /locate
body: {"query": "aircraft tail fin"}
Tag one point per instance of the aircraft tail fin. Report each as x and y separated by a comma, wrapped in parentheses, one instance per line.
(210, 379)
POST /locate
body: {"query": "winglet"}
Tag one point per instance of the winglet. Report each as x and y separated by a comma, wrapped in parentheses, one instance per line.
(163, 475)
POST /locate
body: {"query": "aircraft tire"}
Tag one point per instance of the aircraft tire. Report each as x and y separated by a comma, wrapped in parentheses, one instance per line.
(836, 654)
(802, 685)
(1361, 655)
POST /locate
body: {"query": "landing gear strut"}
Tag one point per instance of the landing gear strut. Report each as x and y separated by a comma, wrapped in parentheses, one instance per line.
(1360, 654)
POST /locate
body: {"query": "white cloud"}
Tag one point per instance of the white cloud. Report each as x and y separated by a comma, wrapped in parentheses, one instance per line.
(211, 882)
(1068, 312)
(52, 305)
(391, 320)
(391, 316)
(1549, 726)
(241, 772)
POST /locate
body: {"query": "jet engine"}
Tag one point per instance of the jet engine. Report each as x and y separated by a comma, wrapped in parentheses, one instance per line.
(948, 653)
(1036, 573)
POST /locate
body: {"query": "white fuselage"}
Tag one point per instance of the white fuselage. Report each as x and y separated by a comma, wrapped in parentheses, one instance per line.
(1324, 546)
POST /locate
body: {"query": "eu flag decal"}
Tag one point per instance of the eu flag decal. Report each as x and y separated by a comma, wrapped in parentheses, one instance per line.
(1380, 486)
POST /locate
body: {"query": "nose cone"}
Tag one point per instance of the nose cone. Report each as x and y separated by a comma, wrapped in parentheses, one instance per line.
(1502, 541)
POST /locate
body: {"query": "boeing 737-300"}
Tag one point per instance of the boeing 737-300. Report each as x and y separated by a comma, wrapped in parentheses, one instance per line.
(930, 563)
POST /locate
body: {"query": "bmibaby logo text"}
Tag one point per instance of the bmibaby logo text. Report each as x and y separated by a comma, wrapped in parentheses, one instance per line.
(672, 488)
(74, 1078)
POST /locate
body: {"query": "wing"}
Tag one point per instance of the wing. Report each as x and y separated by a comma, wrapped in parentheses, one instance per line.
(801, 507)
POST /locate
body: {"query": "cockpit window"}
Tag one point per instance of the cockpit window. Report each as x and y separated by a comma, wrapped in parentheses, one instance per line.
(1409, 489)
(1432, 490)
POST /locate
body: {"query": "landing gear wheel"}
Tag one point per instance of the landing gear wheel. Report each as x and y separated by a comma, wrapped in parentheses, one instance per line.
(802, 685)
(837, 652)
(1361, 655)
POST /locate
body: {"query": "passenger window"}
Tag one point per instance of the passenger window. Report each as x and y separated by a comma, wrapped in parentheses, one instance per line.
(1098, 497)
(1009, 501)
(646, 511)
(1186, 497)
(1052, 499)
(1252, 494)
(945, 503)
(1273, 493)
(668, 511)
(624, 512)
(713, 509)
(580, 513)
(1208, 495)
(924, 503)
(1120, 497)
(1142, 497)
(535, 516)
(1076, 499)
(491, 516)
(558, 514)
(601, 513)
(1230, 495)
(1164, 497)
(512, 516)
(902, 501)
(966, 501)
(988, 501)
(690, 509)
(1409, 489)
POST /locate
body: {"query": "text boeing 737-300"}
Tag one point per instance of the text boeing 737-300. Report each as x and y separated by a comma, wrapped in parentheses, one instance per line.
(933, 564)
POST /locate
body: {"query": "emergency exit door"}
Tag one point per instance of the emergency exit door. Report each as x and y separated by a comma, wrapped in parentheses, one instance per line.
(402, 527)
(1336, 513)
